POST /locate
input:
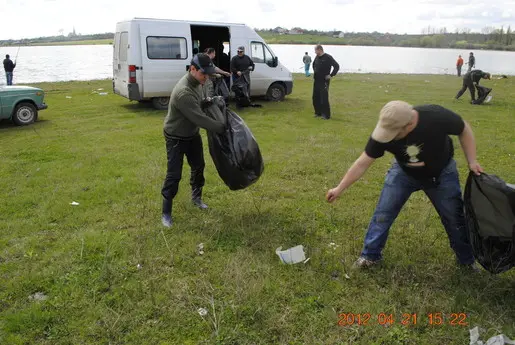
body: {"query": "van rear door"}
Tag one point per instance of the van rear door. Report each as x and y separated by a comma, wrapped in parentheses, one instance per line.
(166, 53)
(120, 57)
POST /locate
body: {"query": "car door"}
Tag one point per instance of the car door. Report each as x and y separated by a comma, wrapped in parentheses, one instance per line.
(1, 105)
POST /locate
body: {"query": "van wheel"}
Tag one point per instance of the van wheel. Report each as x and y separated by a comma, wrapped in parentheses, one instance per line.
(25, 114)
(276, 93)
(161, 103)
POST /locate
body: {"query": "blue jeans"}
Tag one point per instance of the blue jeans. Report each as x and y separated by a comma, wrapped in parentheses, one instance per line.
(444, 193)
(306, 69)
(9, 76)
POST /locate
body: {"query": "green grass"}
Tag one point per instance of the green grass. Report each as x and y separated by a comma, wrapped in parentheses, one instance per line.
(108, 154)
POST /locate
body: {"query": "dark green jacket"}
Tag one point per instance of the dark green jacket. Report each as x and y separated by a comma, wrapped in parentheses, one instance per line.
(185, 114)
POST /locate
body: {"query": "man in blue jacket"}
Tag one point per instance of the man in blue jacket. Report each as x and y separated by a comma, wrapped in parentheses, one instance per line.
(9, 68)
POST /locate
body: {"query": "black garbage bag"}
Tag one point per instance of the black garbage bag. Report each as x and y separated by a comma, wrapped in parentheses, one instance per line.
(235, 152)
(220, 88)
(482, 93)
(240, 87)
(490, 213)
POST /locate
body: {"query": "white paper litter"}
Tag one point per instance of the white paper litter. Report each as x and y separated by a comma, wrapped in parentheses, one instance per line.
(200, 249)
(293, 255)
(100, 89)
(500, 339)
(38, 296)
(74, 203)
(202, 311)
(68, 96)
(102, 93)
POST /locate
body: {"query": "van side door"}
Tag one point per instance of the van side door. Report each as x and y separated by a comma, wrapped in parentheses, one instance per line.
(166, 53)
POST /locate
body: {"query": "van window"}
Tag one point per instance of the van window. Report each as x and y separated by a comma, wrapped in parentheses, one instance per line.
(269, 57)
(124, 46)
(257, 52)
(172, 48)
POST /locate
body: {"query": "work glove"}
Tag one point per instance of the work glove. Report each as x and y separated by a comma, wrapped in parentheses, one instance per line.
(206, 103)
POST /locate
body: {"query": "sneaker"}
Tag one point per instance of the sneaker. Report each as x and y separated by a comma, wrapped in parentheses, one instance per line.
(363, 262)
(167, 221)
(199, 203)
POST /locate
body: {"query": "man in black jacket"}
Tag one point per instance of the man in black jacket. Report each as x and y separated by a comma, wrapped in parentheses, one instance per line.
(322, 76)
(9, 68)
(241, 63)
(471, 78)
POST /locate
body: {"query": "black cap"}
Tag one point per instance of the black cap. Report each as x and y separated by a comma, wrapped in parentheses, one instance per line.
(203, 63)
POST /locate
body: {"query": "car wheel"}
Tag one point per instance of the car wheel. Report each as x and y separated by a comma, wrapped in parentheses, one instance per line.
(161, 103)
(25, 114)
(276, 92)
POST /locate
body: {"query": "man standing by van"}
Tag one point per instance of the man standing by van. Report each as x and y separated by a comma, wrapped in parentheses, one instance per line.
(9, 68)
(181, 130)
(322, 76)
(241, 64)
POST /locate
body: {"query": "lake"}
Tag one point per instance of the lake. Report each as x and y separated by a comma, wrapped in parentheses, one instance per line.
(61, 63)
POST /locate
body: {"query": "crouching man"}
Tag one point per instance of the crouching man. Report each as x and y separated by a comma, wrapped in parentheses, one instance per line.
(419, 139)
(181, 130)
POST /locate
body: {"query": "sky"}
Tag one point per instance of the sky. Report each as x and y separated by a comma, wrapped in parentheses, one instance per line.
(35, 18)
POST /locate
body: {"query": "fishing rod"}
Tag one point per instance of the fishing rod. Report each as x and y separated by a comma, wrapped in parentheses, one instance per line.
(17, 55)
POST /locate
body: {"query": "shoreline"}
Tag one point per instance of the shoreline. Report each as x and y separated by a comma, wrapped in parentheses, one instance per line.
(295, 75)
(268, 41)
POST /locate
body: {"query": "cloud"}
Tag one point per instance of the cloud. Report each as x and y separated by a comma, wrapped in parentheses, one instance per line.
(46, 17)
(266, 6)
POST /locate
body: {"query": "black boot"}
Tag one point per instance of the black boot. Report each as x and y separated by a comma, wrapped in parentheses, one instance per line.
(166, 217)
(196, 198)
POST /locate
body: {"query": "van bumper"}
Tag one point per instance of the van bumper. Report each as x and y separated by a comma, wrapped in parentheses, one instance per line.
(289, 87)
(42, 106)
(134, 94)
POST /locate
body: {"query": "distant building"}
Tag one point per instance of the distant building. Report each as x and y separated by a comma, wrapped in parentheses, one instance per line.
(280, 30)
(296, 32)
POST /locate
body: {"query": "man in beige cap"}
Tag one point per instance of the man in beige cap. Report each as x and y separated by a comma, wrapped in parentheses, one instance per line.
(419, 139)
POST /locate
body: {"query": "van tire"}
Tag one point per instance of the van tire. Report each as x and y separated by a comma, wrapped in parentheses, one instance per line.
(25, 114)
(160, 103)
(276, 92)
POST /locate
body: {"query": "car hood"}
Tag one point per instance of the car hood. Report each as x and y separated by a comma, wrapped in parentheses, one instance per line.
(19, 88)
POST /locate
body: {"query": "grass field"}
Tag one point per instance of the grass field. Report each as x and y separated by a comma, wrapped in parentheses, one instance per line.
(112, 275)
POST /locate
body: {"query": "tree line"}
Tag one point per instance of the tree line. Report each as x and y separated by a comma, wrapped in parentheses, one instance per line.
(490, 38)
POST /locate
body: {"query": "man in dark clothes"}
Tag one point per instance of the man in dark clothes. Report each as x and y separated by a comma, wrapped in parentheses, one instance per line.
(419, 138)
(321, 76)
(241, 63)
(471, 78)
(224, 62)
(9, 68)
(181, 131)
(472, 61)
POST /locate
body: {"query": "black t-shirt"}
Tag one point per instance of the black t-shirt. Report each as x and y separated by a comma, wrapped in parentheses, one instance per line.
(426, 150)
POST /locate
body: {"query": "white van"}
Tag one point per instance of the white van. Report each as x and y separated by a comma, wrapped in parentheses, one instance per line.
(151, 55)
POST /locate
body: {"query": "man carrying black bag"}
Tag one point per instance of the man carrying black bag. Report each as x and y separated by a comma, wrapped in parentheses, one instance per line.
(181, 131)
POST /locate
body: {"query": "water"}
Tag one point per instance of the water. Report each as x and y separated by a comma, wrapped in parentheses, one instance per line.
(61, 63)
